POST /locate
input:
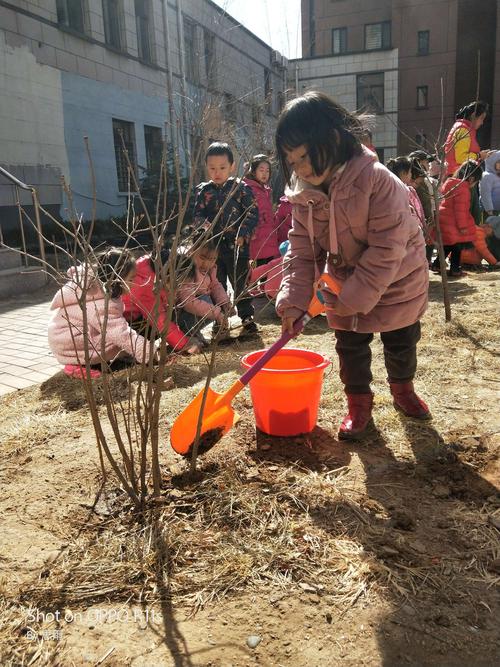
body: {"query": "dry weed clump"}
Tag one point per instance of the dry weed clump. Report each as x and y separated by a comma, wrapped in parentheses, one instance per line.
(243, 525)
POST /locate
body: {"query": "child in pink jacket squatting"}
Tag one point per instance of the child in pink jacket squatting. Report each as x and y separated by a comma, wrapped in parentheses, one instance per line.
(114, 273)
(264, 242)
(351, 218)
(201, 297)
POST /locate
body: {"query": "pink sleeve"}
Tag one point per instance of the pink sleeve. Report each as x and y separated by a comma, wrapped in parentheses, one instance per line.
(298, 272)
(217, 291)
(188, 300)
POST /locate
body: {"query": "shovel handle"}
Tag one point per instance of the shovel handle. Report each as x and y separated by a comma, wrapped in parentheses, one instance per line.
(315, 307)
(275, 347)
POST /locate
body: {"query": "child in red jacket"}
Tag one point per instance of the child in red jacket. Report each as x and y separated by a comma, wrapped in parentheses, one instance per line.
(141, 304)
(474, 256)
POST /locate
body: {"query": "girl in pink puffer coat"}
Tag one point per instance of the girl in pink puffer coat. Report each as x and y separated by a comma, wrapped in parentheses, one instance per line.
(103, 286)
(264, 243)
(351, 218)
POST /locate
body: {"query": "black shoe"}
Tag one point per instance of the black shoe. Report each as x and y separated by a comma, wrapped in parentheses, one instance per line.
(249, 326)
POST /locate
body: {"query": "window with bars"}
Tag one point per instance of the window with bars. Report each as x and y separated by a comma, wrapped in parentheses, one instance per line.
(339, 40)
(423, 42)
(153, 141)
(378, 36)
(281, 101)
(124, 140)
(256, 114)
(422, 97)
(370, 92)
(210, 58)
(268, 91)
(71, 14)
(421, 138)
(190, 51)
(112, 16)
(142, 22)
(230, 107)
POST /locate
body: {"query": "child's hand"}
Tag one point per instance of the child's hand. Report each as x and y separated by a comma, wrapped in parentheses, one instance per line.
(192, 348)
(287, 325)
(240, 241)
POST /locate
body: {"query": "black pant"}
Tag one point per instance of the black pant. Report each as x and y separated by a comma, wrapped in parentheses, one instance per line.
(355, 356)
(454, 251)
(493, 246)
(263, 260)
(233, 265)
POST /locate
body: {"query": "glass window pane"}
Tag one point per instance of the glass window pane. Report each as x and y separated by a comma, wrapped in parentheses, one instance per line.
(370, 92)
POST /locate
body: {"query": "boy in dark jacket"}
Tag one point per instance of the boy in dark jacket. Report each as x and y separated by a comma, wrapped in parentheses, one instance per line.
(231, 204)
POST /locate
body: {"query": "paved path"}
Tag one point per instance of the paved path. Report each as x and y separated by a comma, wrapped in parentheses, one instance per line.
(25, 358)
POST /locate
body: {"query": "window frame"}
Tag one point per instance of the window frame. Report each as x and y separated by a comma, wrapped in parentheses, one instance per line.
(153, 157)
(209, 45)
(121, 165)
(108, 32)
(425, 92)
(230, 109)
(268, 91)
(385, 35)
(423, 51)
(378, 110)
(144, 18)
(342, 33)
(191, 60)
(62, 7)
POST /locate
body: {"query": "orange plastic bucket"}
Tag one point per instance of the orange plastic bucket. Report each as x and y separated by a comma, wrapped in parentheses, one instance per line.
(286, 392)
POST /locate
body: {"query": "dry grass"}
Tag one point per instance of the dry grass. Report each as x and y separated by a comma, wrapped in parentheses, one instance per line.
(306, 515)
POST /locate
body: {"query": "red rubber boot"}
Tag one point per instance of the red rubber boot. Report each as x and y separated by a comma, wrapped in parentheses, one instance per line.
(358, 421)
(407, 401)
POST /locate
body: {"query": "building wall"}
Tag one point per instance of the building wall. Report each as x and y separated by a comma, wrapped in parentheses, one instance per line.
(459, 29)
(476, 41)
(495, 120)
(336, 76)
(437, 70)
(353, 14)
(60, 86)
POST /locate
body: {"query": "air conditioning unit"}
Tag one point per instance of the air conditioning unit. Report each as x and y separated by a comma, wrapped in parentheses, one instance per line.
(275, 58)
(284, 62)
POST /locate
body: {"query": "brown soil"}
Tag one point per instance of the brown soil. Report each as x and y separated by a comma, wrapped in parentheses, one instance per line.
(384, 553)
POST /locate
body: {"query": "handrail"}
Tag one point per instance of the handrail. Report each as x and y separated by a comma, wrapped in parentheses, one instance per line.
(36, 205)
(10, 177)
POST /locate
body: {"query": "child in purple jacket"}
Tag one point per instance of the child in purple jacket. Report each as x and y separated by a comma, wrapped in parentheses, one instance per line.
(351, 218)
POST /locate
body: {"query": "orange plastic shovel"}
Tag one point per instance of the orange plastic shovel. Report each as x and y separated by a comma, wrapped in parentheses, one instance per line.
(218, 415)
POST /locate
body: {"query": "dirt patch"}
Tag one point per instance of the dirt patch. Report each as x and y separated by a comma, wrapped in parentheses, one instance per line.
(297, 551)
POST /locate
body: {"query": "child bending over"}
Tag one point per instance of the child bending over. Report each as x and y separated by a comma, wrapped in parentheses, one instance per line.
(142, 304)
(201, 298)
(351, 218)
